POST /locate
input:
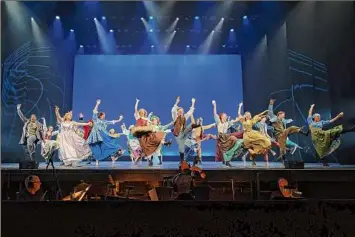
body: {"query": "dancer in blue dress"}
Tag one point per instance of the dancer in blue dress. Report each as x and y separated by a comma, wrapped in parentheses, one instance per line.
(101, 143)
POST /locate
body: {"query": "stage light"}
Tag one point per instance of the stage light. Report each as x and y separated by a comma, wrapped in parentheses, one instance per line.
(111, 30)
(71, 30)
(196, 17)
(245, 17)
(222, 19)
(152, 46)
(177, 18)
(231, 30)
(224, 46)
(142, 18)
(81, 46)
(174, 31)
(57, 17)
(95, 19)
(151, 18)
(151, 30)
(103, 18)
(212, 31)
(187, 46)
(32, 18)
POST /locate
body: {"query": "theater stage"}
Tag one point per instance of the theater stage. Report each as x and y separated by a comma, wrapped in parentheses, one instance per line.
(315, 181)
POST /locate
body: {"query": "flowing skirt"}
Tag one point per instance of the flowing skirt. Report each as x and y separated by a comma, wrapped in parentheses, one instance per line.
(73, 148)
(326, 141)
(256, 141)
(48, 149)
(229, 145)
(106, 148)
(151, 142)
(219, 150)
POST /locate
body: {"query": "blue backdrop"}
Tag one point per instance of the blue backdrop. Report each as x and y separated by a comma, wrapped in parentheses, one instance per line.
(157, 80)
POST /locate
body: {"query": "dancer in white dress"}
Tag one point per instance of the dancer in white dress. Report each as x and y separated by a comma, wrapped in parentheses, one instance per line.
(73, 148)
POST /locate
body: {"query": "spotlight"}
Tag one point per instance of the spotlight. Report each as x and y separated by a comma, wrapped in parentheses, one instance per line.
(224, 46)
(111, 30)
(57, 17)
(151, 18)
(32, 18)
(222, 19)
(95, 19)
(71, 30)
(103, 18)
(196, 17)
(187, 46)
(174, 31)
(231, 30)
(212, 31)
(142, 18)
(177, 18)
(152, 46)
(151, 30)
(245, 17)
(81, 46)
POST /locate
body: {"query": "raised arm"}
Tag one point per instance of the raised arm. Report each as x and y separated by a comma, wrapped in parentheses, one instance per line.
(212, 125)
(340, 115)
(59, 119)
(310, 113)
(125, 131)
(44, 125)
(215, 115)
(240, 110)
(164, 127)
(136, 114)
(96, 108)
(175, 108)
(114, 121)
(20, 114)
(191, 110)
(271, 113)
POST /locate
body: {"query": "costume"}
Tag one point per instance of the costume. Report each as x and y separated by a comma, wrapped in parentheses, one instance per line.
(134, 148)
(180, 128)
(254, 140)
(228, 145)
(280, 131)
(32, 133)
(162, 128)
(101, 143)
(72, 146)
(324, 141)
(49, 146)
(149, 139)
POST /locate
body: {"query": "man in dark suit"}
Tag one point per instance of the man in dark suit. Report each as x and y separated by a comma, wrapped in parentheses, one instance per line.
(32, 133)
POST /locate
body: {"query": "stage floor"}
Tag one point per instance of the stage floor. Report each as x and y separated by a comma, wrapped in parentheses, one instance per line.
(173, 165)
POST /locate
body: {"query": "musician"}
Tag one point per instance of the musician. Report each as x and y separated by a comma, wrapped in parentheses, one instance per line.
(32, 191)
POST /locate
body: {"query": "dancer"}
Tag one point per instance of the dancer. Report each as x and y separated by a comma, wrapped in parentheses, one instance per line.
(254, 141)
(32, 133)
(325, 141)
(155, 121)
(101, 143)
(149, 138)
(281, 133)
(193, 142)
(227, 144)
(179, 119)
(49, 146)
(85, 132)
(72, 146)
(134, 148)
(263, 128)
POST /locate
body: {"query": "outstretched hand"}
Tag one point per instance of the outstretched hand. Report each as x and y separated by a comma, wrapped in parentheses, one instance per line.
(240, 104)
(213, 102)
(193, 100)
(98, 101)
(177, 100)
(272, 101)
(340, 115)
(19, 106)
(312, 105)
(56, 108)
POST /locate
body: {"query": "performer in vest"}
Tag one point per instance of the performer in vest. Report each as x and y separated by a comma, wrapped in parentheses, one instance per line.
(49, 146)
(326, 141)
(228, 145)
(281, 133)
(32, 133)
(155, 121)
(179, 119)
(197, 136)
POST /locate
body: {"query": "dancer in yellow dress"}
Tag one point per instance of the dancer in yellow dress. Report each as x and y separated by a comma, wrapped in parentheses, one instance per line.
(254, 141)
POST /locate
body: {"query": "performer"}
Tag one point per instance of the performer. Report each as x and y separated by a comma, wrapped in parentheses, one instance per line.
(101, 143)
(179, 119)
(281, 133)
(193, 142)
(86, 129)
(227, 144)
(263, 128)
(72, 146)
(325, 141)
(134, 148)
(155, 121)
(254, 141)
(49, 146)
(32, 133)
(149, 138)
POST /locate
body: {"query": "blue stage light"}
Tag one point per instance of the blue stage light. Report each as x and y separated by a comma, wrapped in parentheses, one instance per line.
(231, 30)
(222, 19)
(32, 18)
(57, 17)
(196, 17)
(245, 17)
(151, 30)
(111, 30)
(103, 18)
(95, 19)
(177, 18)
(152, 46)
(187, 46)
(81, 46)
(71, 30)
(151, 18)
